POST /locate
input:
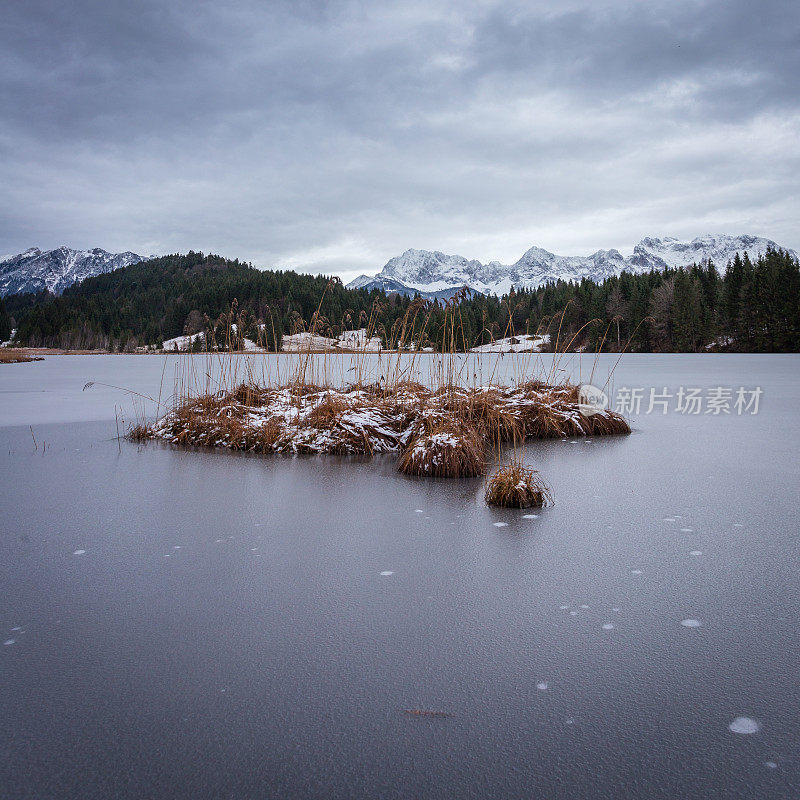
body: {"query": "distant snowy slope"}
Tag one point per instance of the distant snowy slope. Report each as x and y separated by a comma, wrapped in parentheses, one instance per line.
(435, 274)
(55, 270)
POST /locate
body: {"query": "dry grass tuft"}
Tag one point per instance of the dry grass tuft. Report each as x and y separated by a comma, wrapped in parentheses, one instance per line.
(606, 423)
(9, 355)
(326, 413)
(448, 451)
(516, 486)
(139, 433)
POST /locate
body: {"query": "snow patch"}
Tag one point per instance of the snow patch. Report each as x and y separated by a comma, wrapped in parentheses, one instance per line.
(744, 725)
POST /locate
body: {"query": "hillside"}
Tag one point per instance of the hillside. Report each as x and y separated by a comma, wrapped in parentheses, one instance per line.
(754, 306)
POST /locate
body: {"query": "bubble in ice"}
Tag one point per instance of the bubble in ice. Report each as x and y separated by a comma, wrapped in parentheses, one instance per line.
(636, 572)
(79, 552)
(670, 519)
(500, 524)
(573, 613)
(695, 552)
(608, 626)
(530, 516)
(570, 721)
(686, 530)
(738, 525)
(8, 642)
(770, 765)
(584, 606)
(744, 725)
(17, 628)
(691, 623)
(418, 511)
(176, 547)
(542, 686)
(219, 541)
(616, 608)
(563, 608)
(387, 572)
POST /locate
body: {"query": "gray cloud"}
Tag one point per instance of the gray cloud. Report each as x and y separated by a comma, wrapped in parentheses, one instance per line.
(330, 136)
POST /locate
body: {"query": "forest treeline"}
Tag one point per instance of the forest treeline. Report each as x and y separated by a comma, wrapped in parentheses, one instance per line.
(745, 306)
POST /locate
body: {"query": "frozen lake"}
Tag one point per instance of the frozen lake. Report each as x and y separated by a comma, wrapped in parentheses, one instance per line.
(194, 624)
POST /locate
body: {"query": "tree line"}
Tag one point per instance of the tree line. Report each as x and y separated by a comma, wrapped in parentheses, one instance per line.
(749, 306)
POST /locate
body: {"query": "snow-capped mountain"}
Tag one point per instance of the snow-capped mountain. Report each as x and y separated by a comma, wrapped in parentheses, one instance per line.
(434, 274)
(55, 270)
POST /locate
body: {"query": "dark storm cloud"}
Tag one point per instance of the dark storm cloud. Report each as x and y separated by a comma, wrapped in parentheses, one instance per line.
(333, 135)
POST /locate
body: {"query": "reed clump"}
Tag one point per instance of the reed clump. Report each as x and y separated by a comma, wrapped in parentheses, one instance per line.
(444, 432)
(449, 451)
(14, 356)
(516, 486)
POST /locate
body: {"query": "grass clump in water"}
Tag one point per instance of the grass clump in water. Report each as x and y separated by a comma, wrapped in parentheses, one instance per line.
(445, 452)
(516, 486)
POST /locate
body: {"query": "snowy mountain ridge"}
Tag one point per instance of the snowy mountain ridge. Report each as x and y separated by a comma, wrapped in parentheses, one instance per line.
(55, 270)
(441, 275)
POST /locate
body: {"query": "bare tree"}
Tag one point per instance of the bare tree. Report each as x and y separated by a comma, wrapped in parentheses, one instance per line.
(661, 312)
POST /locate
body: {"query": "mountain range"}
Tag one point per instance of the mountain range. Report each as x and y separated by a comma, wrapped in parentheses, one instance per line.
(55, 270)
(433, 275)
(437, 275)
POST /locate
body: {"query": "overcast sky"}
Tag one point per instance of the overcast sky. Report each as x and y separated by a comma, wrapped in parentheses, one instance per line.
(329, 137)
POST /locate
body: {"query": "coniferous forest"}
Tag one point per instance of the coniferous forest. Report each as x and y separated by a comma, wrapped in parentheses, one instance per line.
(745, 306)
